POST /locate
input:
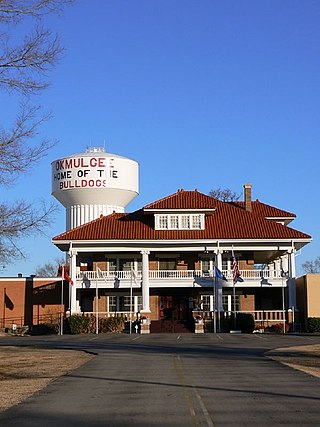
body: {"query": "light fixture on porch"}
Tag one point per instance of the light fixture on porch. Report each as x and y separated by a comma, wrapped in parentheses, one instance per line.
(206, 250)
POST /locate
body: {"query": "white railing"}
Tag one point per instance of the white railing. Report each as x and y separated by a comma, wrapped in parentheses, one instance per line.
(175, 275)
(106, 314)
(254, 274)
(108, 275)
(260, 316)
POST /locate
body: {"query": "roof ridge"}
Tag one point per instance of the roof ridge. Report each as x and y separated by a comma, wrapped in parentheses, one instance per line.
(241, 203)
(162, 199)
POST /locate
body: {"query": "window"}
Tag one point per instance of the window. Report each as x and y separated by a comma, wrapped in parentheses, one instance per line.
(236, 299)
(185, 221)
(206, 302)
(163, 222)
(113, 303)
(196, 221)
(205, 264)
(174, 221)
(226, 300)
(179, 222)
(125, 303)
(125, 265)
(112, 265)
(167, 265)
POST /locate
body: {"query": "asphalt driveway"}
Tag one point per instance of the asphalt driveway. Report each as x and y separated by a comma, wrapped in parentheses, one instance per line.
(173, 380)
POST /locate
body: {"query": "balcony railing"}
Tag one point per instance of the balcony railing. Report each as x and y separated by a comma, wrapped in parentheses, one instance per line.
(175, 275)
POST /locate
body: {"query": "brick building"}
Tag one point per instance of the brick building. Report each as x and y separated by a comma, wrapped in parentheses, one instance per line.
(158, 263)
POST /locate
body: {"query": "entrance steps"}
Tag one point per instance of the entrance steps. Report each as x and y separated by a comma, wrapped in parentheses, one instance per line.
(167, 326)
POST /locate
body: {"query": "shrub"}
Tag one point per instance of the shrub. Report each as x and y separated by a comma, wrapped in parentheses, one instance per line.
(112, 324)
(77, 324)
(245, 322)
(313, 324)
(45, 329)
(278, 328)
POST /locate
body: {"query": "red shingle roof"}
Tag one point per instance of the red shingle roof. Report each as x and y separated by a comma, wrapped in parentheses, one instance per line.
(266, 211)
(226, 222)
(185, 200)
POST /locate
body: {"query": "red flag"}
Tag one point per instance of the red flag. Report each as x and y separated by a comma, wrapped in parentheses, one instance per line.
(68, 278)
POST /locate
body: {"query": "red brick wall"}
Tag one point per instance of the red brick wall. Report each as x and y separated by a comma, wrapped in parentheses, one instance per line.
(154, 307)
(246, 302)
(27, 301)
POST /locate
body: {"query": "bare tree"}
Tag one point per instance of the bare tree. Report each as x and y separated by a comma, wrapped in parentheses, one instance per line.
(50, 269)
(23, 72)
(224, 194)
(312, 266)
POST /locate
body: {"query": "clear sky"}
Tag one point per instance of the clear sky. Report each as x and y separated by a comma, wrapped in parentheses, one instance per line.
(202, 93)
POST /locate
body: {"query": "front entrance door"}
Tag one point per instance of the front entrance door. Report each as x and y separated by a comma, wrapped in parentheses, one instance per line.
(173, 308)
(174, 314)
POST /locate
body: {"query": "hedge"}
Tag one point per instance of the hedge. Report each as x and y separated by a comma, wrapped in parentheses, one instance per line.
(313, 324)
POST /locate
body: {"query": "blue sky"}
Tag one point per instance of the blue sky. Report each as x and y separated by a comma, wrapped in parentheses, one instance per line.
(203, 94)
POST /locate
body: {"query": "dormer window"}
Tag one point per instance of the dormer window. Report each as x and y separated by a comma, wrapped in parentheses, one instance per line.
(185, 221)
(163, 222)
(174, 222)
(196, 221)
(179, 221)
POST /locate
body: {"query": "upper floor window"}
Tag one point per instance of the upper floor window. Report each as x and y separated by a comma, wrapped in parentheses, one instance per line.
(163, 222)
(179, 221)
(196, 221)
(174, 221)
(185, 221)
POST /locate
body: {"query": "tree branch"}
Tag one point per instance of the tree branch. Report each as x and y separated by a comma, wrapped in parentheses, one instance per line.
(16, 155)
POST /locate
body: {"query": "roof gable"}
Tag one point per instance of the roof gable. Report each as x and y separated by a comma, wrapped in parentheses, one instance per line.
(184, 200)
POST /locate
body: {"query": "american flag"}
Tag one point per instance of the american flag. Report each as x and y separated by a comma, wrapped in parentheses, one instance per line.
(236, 275)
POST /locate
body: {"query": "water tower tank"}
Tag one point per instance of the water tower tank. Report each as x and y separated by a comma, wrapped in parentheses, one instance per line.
(94, 183)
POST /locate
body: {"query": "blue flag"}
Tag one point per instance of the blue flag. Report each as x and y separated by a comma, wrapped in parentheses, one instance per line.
(218, 273)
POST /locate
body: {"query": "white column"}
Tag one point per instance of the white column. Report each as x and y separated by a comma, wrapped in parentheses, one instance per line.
(271, 270)
(229, 304)
(211, 266)
(277, 266)
(145, 282)
(292, 279)
(284, 263)
(229, 268)
(73, 288)
(219, 260)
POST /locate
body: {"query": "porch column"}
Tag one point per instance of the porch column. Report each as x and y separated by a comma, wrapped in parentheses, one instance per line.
(292, 279)
(145, 282)
(219, 260)
(277, 265)
(284, 264)
(74, 307)
(271, 270)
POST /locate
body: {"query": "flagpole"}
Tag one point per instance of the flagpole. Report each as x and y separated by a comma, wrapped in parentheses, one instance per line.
(4, 306)
(97, 315)
(62, 307)
(130, 325)
(234, 290)
(215, 304)
(219, 308)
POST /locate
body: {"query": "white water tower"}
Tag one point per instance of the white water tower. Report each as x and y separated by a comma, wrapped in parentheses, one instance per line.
(94, 183)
